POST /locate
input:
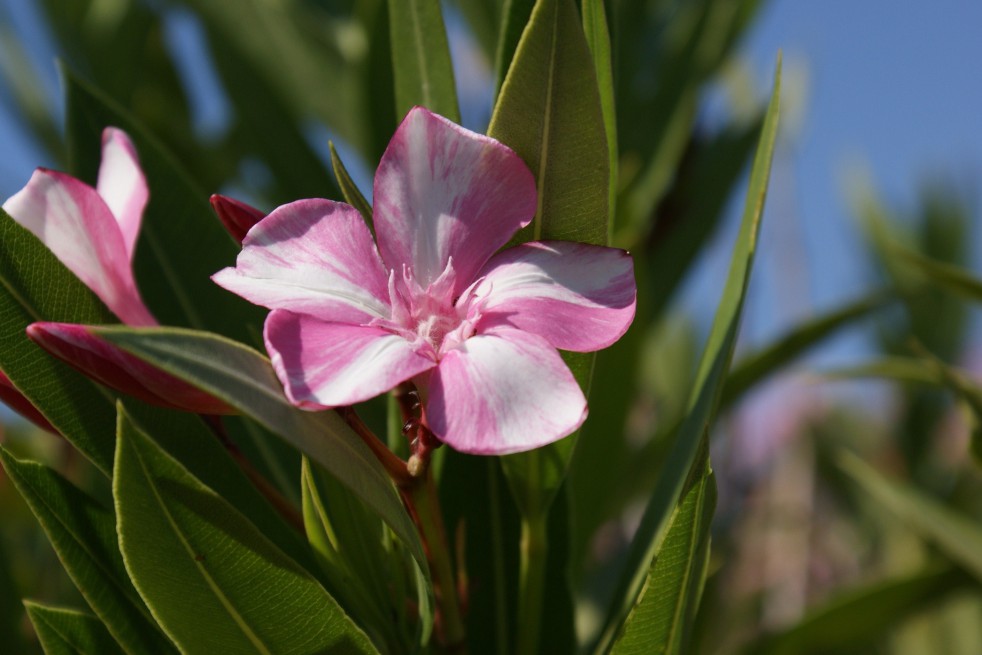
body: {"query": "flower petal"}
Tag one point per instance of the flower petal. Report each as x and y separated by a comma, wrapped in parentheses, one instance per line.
(577, 296)
(74, 222)
(503, 392)
(313, 257)
(122, 185)
(333, 364)
(15, 400)
(118, 369)
(442, 191)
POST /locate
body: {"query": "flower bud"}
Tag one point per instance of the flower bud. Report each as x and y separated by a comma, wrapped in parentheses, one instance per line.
(16, 401)
(236, 216)
(102, 361)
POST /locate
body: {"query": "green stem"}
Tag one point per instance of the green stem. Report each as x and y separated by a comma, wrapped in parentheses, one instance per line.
(531, 582)
(423, 500)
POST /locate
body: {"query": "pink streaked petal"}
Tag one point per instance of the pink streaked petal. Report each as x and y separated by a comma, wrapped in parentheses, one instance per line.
(442, 191)
(577, 296)
(15, 400)
(333, 364)
(503, 392)
(313, 257)
(74, 222)
(122, 185)
(118, 369)
(237, 217)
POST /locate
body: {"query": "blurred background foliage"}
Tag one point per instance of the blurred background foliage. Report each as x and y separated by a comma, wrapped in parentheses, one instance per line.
(844, 524)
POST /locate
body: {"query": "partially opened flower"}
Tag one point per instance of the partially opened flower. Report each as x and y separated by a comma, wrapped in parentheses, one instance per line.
(477, 332)
(93, 232)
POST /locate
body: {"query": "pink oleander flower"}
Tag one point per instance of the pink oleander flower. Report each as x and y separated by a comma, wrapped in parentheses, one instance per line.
(477, 332)
(93, 232)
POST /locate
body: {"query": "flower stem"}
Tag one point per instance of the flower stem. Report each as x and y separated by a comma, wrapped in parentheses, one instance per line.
(534, 546)
(425, 506)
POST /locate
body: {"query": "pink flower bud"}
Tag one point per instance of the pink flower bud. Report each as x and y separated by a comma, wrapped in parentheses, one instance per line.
(16, 401)
(102, 361)
(236, 216)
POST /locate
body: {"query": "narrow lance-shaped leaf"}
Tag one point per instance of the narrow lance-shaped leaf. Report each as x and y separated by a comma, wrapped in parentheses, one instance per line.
(598, 38)
(689, 454)
(663, 616)
(83, 534)
(956, 535)
(206, 597)
(245, 379)
(549, 112)
(352, 195)
(421, 58)
(785, 349)
(858, 618)
(64, 631)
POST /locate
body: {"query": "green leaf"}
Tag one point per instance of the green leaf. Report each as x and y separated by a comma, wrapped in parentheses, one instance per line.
(172, 270)
(689, 454)
(421, 58)
(64, 631)
(549, 112)
(757, 366)
(955, 534)
(858, 618)
(11, 607)
(947, 276)
(206, 596)
(598, 39)
(350, 190)
(246, 380)
(349, 540)
(665, 611)
(35, 286)
(514, 17)
(83, 534)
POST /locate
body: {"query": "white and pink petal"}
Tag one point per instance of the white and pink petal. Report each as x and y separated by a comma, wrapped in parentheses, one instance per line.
(121, 185)
(73, 221)
(502, 392)
(442, 191)
(324, 365)
(313, 257)
(577, 296)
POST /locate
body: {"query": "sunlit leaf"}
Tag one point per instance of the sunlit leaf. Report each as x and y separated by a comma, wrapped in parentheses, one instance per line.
(661, 620)
(689, 454)
(206, 597)
(352, 195)
(421, 58)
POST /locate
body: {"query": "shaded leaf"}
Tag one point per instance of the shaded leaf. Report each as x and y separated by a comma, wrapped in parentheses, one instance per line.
(946, 276)
(64, 631)
(859, 617)
(757, 366)
(955, 534)
(172, 271)
(205, 598)
(35, 286)
(598, 39)
(514, 17)
(83, 534)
